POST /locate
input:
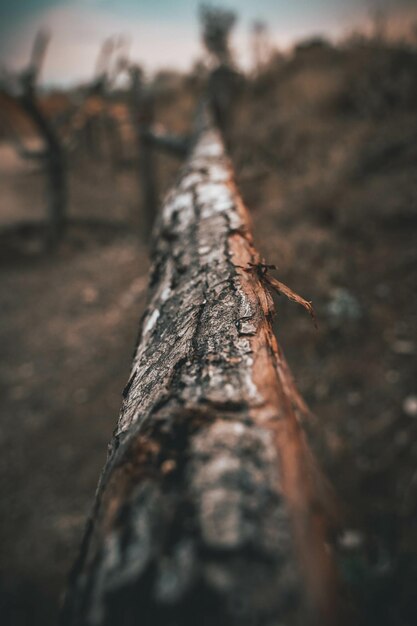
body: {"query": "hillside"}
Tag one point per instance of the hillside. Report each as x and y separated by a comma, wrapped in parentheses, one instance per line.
(324, 146)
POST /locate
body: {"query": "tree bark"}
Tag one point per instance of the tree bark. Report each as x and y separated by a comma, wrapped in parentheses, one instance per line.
(208, 509)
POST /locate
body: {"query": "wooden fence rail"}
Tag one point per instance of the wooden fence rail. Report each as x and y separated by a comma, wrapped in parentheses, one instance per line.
(208, 509)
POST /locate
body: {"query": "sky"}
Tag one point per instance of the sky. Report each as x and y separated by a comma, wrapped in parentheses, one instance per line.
(164, 33)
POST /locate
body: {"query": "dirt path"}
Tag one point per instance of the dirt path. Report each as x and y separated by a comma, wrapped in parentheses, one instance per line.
(68, 325)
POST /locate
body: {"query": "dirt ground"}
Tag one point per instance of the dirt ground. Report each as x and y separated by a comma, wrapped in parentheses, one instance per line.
(326, 161)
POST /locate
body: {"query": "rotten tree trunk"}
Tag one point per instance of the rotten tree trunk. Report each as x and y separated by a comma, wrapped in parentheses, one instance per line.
(207, 511)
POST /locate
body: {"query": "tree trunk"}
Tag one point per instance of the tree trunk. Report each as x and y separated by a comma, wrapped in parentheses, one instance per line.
(55, 167)
(142, 112)
(207, 510)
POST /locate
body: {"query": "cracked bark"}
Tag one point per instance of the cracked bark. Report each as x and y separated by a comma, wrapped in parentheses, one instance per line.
(207, 510)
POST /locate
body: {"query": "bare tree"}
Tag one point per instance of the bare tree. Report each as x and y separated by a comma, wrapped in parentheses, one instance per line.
(261, 48)
(24, 88)
(148, 138)
(225, 82)
(217, 26)
(98, 123)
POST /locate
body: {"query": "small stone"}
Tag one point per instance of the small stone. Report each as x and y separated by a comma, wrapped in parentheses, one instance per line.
(392, 377)
(403, 346)
(90, 295)
(351, 539)
(168, 466)
(343, 306)
(410, 406)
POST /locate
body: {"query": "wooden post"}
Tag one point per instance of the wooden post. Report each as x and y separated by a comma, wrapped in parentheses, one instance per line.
(208, 510)
(142, 111)
(225, 85)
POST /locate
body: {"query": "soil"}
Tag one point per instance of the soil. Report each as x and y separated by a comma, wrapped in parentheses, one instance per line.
(326, 162)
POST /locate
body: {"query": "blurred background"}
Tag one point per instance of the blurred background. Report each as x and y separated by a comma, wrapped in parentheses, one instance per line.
(323, 139)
